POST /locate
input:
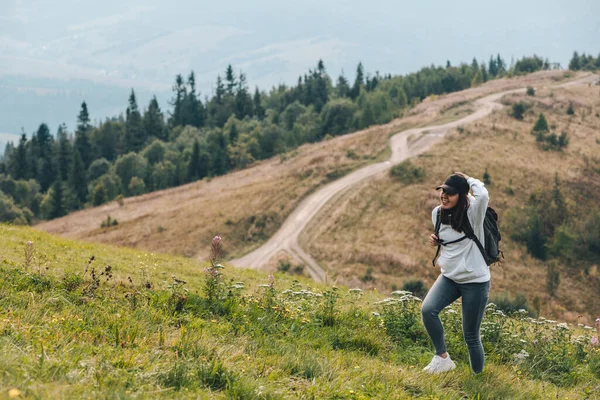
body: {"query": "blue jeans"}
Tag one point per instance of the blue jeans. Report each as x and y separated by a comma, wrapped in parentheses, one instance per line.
(474, 299)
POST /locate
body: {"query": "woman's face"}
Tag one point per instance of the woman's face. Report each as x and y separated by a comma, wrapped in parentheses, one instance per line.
(448, 200)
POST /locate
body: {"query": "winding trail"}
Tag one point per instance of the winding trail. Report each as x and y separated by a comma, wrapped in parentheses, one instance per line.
(286, 238)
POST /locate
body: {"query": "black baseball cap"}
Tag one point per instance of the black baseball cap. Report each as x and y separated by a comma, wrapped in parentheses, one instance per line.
(455, 184)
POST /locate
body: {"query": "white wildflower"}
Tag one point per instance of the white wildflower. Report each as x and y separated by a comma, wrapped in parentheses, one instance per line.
(375, 314)
(522, 355)
(401, 293)
(562, 325)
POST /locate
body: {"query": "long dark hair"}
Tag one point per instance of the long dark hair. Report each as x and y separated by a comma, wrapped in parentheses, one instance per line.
(455, 215)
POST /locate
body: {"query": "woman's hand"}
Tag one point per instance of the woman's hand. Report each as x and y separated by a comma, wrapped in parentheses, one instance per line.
(433, 240)
(461, 174)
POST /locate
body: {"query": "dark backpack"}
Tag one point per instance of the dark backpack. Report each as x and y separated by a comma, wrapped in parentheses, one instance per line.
(491, 232)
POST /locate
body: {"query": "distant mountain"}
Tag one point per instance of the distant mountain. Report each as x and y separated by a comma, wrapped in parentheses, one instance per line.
(53, 55)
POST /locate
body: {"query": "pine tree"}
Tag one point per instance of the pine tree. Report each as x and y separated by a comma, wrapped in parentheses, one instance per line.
(82, 136)
(194, 110)
(358, 82)
(342, 87)
(230, 79)
(575, 63)
(484, 73)
(233, 133)
(63, 153)
(194, 164)
(176, 118)
(58, 202)
(493, 67)
(135, 136)
(154, 121)
(77, 179)
(541, 125)
(321, 94)
(18, 165)
(243, 101)
(259, 111)
(500, 65)
(220, 90)
(44, 140)
(47, 172)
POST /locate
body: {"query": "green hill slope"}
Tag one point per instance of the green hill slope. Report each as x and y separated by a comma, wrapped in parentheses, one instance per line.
(155, 326)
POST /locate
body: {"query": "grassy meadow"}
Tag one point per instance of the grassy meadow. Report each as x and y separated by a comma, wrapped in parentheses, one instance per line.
(81, 320)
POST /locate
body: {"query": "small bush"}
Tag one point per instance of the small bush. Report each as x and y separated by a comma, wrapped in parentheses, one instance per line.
(487, 179)
(407, 173)
(506, 304)
(570, 110)
(530, 91)
(416, 287)
(108, 222)
(518, 110)
(368, 276)
(541, 125)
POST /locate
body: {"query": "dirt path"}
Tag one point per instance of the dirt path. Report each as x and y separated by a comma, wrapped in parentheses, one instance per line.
(286, 238)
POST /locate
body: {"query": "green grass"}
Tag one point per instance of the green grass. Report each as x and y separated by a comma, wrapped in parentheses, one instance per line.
(134, 331)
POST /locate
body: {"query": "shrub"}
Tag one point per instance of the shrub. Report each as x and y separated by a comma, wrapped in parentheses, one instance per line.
(530, 91)
(407, 173)
(416, 287)
(518, 110)
(506, 304)
(368, 276)
(541, 125)
(486, 177)
(108, 222)
(570, 110)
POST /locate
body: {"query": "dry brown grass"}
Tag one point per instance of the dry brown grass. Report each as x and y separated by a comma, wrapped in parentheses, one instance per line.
(384, 224)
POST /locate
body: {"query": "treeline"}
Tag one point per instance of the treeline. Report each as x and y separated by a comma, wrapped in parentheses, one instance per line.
(145, 150)
(584, 62)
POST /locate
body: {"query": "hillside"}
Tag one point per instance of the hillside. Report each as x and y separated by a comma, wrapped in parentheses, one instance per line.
(249, 205)
(72, 327)
(376, 236)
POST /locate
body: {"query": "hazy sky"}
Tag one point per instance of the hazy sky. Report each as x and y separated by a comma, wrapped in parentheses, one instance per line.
(53, 55)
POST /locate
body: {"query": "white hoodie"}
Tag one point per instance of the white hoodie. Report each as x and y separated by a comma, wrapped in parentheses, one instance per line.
(462, 261)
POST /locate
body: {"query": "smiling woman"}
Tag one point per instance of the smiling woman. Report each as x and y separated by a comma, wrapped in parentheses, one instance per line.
(464, 271)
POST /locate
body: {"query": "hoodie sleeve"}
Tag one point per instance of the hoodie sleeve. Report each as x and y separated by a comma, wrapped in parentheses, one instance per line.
(479, 201)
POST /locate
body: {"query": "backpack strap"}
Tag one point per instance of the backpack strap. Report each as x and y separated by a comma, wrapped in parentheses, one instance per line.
(438, 224)
(468, 229)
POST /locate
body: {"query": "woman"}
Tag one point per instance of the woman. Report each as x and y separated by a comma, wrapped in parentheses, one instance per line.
(464, 271)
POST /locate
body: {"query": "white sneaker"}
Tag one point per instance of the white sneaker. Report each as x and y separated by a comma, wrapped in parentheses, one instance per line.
(439, 365)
